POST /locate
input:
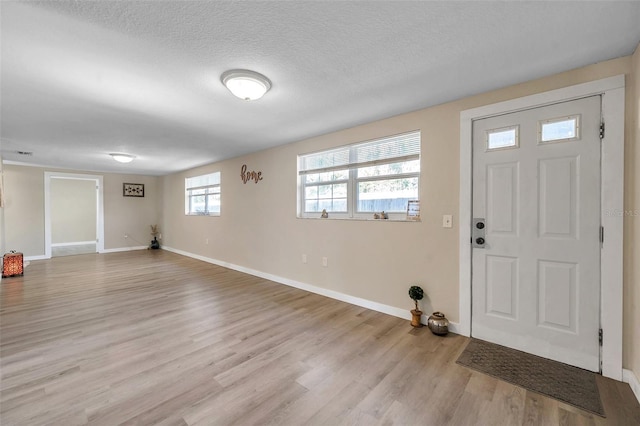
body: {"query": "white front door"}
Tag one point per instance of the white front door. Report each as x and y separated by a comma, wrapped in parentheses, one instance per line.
(536, 195)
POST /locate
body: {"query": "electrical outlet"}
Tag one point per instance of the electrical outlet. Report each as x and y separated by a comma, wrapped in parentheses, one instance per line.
(159, 236)
(206, 241)
(304, 258)
(325, 262)
(447, 221)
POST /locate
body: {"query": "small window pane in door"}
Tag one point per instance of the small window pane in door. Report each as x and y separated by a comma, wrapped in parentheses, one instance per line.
(559, 129)
(506, 137)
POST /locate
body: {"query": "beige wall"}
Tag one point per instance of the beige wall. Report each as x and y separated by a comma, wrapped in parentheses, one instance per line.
(24, 211)
(132, 216)
(374, 260)
(632, 222)
(73, 210)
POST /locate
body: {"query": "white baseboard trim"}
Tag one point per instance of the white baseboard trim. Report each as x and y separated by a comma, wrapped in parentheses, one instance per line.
(629, 377)
(39, 257)
(77, 243)
(113, 250)
(119, 249)
(369, 304)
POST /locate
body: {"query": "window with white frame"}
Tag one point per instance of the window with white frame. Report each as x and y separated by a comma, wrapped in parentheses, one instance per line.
(355, 181)
(202, 195)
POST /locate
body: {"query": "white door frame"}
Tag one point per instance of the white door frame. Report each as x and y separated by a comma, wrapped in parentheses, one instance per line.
(612, 198)
(47, 208)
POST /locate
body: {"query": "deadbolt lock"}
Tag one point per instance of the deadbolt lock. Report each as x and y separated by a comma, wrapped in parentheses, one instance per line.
(478, 233)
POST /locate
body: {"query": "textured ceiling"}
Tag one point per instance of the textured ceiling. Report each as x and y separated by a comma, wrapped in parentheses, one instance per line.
(81, 79)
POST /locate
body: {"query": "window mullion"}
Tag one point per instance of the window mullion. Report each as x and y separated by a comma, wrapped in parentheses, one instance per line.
(351, 197)
(326, 182)
(388, 177)
(303, 195)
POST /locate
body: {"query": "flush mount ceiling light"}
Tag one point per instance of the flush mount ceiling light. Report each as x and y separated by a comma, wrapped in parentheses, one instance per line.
(245, 84)
(123, 158)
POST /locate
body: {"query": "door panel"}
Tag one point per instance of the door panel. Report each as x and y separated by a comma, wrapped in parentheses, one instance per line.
(502, 194)
(502, 286)
(535, 284)
(558, 193)
(557, 295)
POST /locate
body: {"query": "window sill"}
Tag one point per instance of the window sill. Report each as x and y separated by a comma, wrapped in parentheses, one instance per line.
(362, 219)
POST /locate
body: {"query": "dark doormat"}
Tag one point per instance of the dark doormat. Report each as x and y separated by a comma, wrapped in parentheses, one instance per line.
(563, 382)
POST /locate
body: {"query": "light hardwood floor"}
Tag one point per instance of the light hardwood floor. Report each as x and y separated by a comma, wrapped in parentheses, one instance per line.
(151, 337)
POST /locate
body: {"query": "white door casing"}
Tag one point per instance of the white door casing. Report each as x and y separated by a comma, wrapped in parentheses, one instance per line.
(47, 207)
(612, 185)
(536, 278)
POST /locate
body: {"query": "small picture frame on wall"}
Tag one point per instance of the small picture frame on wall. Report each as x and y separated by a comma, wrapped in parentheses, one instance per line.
(133, 189)
(413, 210)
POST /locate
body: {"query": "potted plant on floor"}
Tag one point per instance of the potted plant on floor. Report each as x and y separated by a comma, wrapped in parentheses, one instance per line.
(416, 294)
(154, 232)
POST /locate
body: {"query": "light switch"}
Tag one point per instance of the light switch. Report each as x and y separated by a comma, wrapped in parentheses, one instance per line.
(447, 221)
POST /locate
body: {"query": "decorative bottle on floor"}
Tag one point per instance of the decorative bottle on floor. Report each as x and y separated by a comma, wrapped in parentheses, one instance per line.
(438, 324)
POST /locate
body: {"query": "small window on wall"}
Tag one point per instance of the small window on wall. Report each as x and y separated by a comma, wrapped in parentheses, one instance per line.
(202, 195)
(356, 181)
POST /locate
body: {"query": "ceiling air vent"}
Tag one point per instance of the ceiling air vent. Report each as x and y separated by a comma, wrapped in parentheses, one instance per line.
(25, 152)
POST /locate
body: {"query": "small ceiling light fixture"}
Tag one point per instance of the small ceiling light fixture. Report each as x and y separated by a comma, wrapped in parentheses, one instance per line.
(245, 84)
(123, 158)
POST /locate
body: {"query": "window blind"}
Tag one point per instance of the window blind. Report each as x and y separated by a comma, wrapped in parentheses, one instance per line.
(391, 149)
(203, 181)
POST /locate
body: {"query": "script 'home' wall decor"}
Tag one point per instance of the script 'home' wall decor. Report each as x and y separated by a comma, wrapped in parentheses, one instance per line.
(247, 176)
